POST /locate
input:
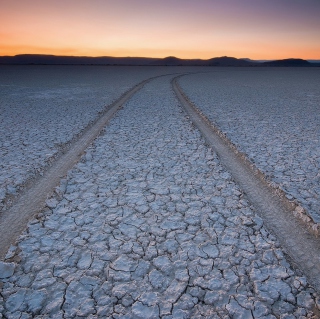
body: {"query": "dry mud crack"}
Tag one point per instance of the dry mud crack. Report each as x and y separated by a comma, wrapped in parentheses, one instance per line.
(277, 211)
(150, 224)
(14, 220)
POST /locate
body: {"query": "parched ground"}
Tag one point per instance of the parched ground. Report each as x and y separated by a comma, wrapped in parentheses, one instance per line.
(272, 115)
(44, 107)
(150, 225)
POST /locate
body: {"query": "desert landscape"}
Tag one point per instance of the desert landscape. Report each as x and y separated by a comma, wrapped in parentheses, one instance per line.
(160, 159)
(150, 222)
(261, 111)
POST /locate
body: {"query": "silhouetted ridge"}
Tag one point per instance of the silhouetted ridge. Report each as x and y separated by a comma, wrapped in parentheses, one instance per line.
(170, 60)
(288, 62)
(39, 59)
(229, 61)
(73, 60)
(173, 61)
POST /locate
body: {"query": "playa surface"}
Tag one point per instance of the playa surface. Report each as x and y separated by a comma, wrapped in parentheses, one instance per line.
(272, 116)
(44, 108)
(149, 224)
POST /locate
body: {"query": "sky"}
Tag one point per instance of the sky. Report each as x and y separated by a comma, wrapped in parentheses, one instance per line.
(256, 29)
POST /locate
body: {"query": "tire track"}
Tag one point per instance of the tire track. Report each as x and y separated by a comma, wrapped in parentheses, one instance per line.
(14, 220)
(302, 247)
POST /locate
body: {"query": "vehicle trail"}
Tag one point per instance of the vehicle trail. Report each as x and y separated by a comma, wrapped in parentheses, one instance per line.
(150, 225)
(302, 247)
(14, 220)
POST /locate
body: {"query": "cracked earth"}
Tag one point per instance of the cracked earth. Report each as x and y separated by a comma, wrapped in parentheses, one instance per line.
(150, 225)
(273, 117)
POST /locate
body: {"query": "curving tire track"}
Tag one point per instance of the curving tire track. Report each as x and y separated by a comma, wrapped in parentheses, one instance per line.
(14, 220)
(302, 247)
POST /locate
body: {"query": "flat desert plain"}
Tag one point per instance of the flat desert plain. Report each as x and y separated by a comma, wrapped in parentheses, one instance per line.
(149, 223)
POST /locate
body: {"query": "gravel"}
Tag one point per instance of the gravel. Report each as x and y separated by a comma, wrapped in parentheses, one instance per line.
(272, 115)
(150, 225)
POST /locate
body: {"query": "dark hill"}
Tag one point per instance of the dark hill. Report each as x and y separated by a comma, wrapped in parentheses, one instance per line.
(228, 61)
(170, 60)
(38, 59)
(72, 60)
(288, 62)
(173, 61)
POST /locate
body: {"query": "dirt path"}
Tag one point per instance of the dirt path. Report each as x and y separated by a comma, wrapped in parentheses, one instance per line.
(302, 247)
(151, 225)
(14, 220)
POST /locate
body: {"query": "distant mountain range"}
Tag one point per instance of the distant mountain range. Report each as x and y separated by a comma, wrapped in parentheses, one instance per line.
(38, 59)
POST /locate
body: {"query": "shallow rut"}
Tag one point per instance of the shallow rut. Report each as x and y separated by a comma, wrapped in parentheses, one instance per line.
(14, 220)
(150, 225)
(302, 247)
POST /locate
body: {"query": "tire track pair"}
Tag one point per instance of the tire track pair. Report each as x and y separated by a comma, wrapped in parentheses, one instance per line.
(302, 247)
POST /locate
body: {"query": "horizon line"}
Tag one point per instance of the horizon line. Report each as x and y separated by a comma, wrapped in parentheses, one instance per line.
(149, 57)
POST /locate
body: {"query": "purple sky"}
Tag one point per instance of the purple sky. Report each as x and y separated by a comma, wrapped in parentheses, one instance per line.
(259, 29)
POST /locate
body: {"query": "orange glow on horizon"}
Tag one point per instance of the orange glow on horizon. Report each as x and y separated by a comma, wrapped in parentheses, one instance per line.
(181, 28)
(12, 51)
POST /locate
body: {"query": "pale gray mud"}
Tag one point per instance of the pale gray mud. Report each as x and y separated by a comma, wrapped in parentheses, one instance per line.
(271, 115)
(150, 225)
(13, 220)
(277, 211)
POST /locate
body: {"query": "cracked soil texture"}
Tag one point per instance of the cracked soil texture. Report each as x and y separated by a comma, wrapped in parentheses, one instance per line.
(150, 225)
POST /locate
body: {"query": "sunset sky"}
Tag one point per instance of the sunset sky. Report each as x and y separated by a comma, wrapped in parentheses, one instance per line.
(256, 29)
